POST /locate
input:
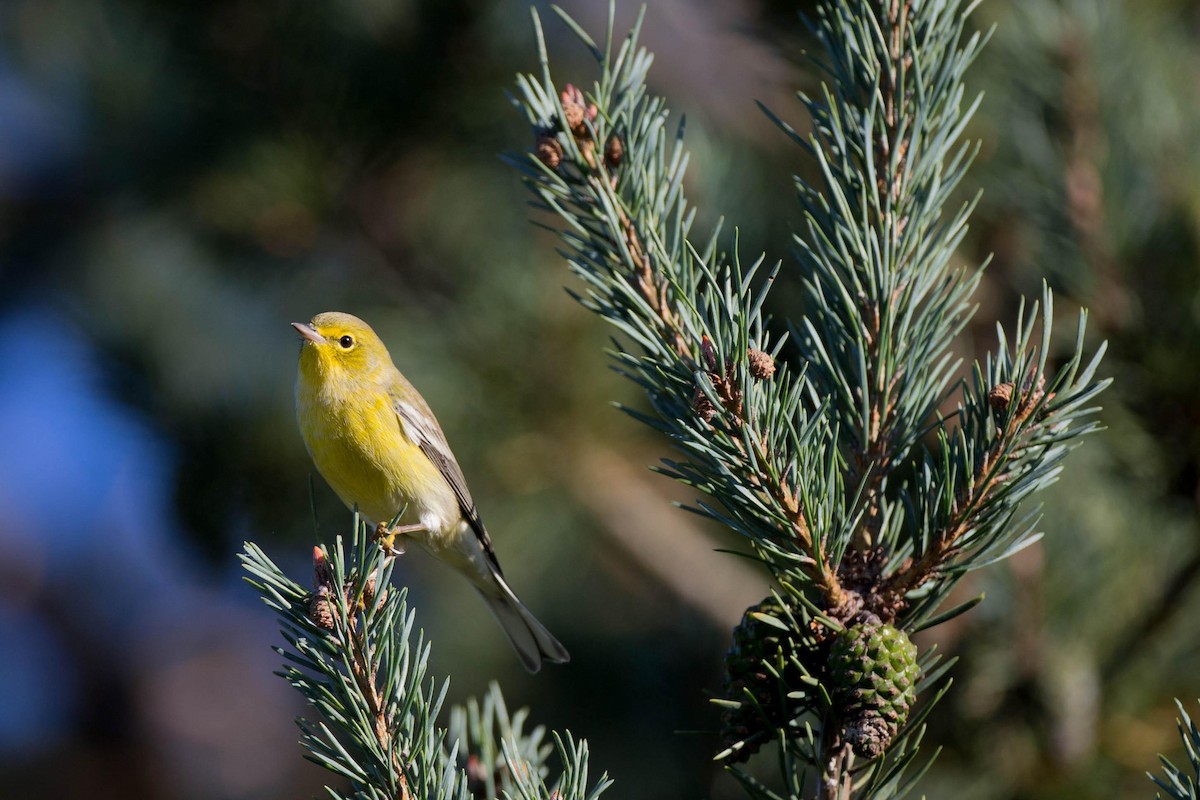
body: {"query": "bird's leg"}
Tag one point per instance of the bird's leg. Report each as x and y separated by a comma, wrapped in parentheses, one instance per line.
(387, 536)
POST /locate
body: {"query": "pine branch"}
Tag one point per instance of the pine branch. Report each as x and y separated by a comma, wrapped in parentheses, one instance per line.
(1181, 784)
(350, 652)
(885, 306)
(707, 359)
(864, 501)
(493, 732)
(529, 785)
(1014, 431)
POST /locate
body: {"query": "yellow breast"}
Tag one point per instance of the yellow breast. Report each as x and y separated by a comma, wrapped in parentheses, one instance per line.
(360, 449)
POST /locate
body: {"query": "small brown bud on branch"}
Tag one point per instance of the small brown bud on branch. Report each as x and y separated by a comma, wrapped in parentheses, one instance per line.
(1034, 392)
(368, 595)
(320, 609)
(614, 151)
(577, 112)
(709, 354)
(762, 366)
(703, 406)
(549, 151)
(322, 574)
(1001, 395)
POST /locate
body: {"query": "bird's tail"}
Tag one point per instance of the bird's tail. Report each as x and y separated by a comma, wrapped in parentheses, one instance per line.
(533, 643)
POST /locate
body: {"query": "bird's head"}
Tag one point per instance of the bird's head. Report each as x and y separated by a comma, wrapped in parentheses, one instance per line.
(338, 346)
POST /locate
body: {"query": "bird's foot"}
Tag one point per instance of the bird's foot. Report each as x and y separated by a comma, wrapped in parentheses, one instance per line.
(390, 540)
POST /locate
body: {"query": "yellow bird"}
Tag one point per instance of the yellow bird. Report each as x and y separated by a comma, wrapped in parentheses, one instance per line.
(375, 441)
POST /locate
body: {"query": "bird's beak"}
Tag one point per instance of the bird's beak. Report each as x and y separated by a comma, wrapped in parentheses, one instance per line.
(308, 332)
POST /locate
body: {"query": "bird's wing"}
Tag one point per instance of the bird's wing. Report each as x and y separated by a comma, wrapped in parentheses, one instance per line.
(420, 426)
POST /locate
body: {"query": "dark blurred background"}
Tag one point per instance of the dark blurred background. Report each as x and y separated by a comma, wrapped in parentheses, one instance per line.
(179, 181)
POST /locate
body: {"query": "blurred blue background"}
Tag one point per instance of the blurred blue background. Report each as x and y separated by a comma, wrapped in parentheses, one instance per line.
(179, 181)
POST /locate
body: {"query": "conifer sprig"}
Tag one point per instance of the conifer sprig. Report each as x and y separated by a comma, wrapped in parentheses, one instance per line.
(1014, 430)
(350, 651)
(1181, 784)
(884, 304)
(850, 480)
(805, 465)
(704, 354)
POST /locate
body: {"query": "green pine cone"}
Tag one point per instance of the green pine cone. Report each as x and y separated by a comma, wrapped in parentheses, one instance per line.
(760, 652)
(873, 675)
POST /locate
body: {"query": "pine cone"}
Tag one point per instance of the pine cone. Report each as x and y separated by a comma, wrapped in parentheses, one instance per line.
(759, 652)
(873, 675)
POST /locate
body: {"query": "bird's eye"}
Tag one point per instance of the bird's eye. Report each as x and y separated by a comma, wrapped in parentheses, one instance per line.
(346, 342)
